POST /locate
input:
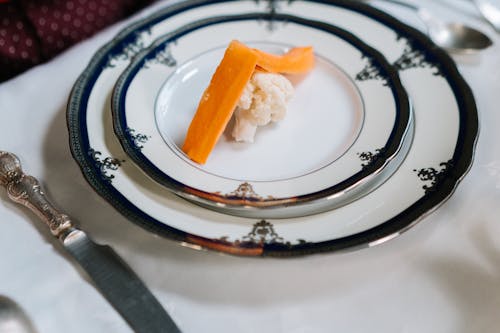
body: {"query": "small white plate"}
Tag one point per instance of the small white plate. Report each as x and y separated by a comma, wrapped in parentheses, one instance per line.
(348, 121)
(324, 119)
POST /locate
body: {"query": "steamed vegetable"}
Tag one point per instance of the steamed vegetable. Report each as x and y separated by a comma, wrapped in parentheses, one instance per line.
(227, 86)
(264, 99)
(219, 100)
(298, 60)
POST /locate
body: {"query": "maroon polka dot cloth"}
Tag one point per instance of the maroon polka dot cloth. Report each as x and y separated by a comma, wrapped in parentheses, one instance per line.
(33, 31)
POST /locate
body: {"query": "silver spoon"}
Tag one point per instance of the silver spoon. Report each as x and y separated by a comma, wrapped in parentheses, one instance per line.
(12, 318)
(453, 37)
(490, 12)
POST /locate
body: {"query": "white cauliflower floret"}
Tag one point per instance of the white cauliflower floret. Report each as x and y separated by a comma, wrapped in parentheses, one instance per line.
(263, 100)
(246, 97)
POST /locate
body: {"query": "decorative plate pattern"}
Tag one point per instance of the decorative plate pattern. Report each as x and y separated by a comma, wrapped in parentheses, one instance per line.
(445, 136)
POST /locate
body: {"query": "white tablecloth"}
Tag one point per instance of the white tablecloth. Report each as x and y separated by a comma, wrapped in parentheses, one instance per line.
(441, 276)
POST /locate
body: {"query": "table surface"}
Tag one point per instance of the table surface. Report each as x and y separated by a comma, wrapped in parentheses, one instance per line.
(441, 276)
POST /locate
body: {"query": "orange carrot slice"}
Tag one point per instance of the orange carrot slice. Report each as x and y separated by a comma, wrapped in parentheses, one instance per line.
(219, 101)
(296, 61)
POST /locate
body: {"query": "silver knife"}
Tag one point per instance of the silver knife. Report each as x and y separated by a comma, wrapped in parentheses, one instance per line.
(110, 274)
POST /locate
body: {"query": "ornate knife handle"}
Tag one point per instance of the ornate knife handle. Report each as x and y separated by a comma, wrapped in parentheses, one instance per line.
(26, 190)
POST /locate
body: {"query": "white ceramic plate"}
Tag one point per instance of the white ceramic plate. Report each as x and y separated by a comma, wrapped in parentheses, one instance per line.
(352, 105)
(441, 153)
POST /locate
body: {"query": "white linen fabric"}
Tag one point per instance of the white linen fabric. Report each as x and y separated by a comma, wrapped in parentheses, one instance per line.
(441, 276)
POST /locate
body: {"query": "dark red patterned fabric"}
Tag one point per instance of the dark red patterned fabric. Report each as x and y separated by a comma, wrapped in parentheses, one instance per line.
(34, 31)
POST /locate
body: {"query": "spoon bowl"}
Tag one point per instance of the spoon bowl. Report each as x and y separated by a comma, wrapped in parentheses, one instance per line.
(12, 318)
(458, 38)
(453, 37)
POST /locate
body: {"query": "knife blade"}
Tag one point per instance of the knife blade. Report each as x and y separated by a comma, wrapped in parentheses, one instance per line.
(115, 280)
(119, 284)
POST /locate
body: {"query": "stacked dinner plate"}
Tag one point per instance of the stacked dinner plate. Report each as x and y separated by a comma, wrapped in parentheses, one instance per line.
(377, 135)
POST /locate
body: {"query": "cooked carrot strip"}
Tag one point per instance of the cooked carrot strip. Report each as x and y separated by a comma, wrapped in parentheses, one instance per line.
(296, 61)
(219, 100)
